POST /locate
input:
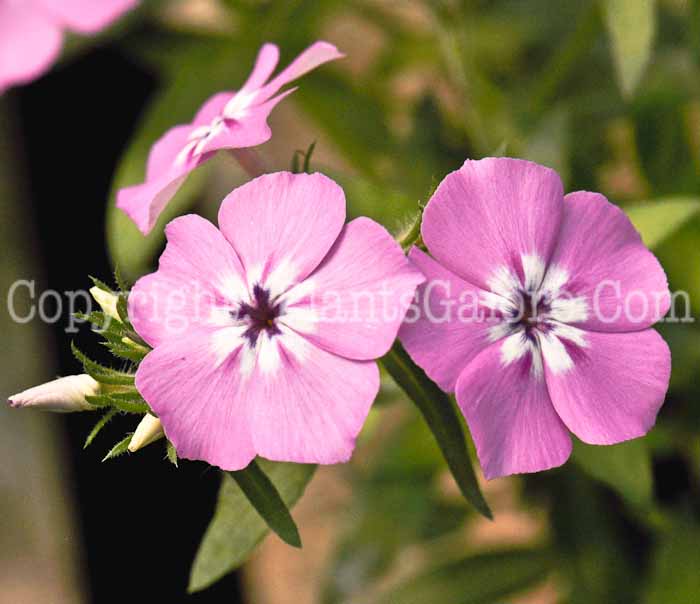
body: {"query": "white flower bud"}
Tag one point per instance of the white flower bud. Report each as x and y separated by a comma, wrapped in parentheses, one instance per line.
(107, 302)
(148, 431)
(63, 395)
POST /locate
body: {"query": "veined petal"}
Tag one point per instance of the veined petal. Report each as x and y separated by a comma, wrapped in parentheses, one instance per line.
(312, 406)
(199, 277)
(282, 225)
(495, 214)
(166, 171)
(360, 293)
(265, 63)
(453, 322)
(614, 386)
(195, 387)
(30, 42)
(87, 16)
(249, 131)
(600, 259)
(315, 55)
(510, 415)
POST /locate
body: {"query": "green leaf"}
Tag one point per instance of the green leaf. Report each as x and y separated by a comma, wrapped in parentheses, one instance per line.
(103, 421)
(119, 449)
(657, 220)
(625, 467)
(442, 418)
(104, 375)
(267, 501)
(237, 528)
(632, 25)
(676, 576)
(481, 579)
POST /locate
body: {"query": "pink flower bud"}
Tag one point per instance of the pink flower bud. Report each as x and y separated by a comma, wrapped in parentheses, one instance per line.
(63, 395)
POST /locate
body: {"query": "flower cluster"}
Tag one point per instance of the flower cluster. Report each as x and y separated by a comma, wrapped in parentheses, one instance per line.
(260, 336)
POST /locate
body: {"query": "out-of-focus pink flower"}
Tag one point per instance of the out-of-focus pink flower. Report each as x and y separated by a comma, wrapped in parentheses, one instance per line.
(228, 120)
(265, 332)
(31, 32)
(64, 395)
(550, 299)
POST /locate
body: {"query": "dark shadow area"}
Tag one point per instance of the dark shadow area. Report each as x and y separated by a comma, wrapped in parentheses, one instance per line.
(141, 518)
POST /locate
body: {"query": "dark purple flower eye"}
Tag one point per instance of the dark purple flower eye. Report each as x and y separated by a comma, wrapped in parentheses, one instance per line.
(556, 336)
(265, 331)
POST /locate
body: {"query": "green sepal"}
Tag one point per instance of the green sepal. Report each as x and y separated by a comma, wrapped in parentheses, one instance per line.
(119, 449)
(171, 453)
(301, 160)
(127, 402)
(101, 373)
(103, 421)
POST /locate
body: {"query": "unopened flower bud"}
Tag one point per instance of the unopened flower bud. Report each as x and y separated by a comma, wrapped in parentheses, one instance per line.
(148, 431)
(63, 395)
(107, 302)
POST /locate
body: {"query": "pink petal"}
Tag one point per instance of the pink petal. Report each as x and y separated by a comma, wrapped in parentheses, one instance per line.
(251, 131)
(30, 42)
(624, 286)
(510, 415)
(441, 341)
(361, 292)
(198, 274)
(315, 55)
(87, 16)
(164, 176)
(265, 64)
(282, 225)
(313, 407)
(615, 387)
(489, 214)
(200, 399)
(212, 108)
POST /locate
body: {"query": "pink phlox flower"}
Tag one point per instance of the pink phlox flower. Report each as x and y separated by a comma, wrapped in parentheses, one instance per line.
(265, 331)
(536, 312)
(228, 120)
(31, 32)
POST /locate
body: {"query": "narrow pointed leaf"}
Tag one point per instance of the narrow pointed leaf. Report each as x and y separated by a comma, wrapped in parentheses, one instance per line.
(657, 220)
(442, 418)
(265, 498)
(632, 25)
(236, 528)
(481, 579)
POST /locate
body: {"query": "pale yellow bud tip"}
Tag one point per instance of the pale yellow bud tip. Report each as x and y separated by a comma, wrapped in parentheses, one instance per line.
(148, 431)
(63, 395)
(107, 302)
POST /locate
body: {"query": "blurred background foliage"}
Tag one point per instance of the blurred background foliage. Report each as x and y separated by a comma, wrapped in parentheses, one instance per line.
(605, 91)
